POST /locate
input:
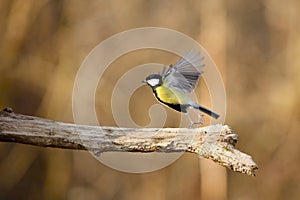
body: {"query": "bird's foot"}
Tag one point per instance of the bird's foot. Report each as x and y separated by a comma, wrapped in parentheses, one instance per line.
(195, 123)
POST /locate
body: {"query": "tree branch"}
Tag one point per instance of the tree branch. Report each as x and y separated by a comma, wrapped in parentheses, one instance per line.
(216, 142)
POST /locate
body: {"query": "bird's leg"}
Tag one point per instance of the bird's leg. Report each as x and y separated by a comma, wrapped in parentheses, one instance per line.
(190, 119)
(200, 117)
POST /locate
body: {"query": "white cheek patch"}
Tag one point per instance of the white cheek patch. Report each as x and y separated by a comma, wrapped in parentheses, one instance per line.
(153, 82)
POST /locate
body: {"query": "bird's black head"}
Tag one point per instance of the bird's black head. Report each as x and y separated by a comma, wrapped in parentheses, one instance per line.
(154, 80)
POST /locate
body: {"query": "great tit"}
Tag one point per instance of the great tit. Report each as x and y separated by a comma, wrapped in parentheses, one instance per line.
(173, 85)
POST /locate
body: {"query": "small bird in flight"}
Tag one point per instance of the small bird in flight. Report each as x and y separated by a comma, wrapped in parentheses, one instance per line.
(172, 86)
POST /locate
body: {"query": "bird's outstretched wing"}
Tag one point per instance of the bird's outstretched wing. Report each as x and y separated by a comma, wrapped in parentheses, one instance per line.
(184, 75)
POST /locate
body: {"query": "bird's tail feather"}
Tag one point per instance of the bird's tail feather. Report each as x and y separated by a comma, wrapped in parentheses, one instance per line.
(206, 111)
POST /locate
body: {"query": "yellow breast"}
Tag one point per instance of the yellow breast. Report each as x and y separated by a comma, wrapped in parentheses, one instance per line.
(169, 96)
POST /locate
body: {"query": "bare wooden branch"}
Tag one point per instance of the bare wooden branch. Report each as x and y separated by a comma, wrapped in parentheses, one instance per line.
(216, 142)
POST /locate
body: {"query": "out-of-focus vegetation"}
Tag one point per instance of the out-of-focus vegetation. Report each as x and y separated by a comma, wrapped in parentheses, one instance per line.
(256, 45)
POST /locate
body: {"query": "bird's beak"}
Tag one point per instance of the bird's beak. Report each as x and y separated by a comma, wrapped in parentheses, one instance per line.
(143, 81)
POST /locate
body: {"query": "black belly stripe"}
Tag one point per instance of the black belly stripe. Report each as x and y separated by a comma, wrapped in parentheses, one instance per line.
(177, 107)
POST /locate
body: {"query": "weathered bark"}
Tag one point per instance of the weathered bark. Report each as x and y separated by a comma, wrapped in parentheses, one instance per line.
(215, 142)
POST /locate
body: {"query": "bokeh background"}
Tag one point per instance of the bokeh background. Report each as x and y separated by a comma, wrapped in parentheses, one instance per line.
(255, 44)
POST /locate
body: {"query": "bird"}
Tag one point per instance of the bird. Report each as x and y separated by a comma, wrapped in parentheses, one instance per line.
(173, 85)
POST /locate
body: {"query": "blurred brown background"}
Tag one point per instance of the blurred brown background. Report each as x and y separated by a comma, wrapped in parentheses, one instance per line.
(255, 44)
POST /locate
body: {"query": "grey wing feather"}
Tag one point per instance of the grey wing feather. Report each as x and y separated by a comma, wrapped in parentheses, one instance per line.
(184, 75)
